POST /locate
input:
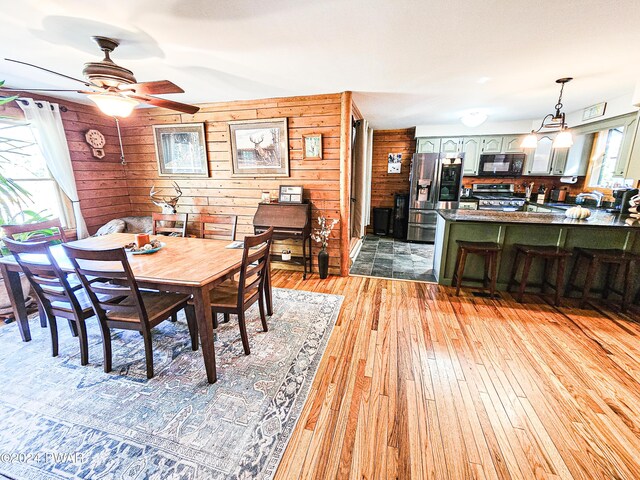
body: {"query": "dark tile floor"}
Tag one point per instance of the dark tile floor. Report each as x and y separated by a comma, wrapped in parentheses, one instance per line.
(389, 258)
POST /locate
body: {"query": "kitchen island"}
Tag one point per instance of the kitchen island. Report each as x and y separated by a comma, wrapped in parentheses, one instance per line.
(601, 230)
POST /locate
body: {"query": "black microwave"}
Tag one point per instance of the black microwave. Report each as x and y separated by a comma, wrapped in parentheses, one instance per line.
(501, 164)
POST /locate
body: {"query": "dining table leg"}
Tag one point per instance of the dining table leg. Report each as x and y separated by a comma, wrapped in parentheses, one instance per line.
(204, 319)
(14, 291)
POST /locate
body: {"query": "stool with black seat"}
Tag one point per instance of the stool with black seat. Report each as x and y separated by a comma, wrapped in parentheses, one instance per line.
(613, 259)
(551, 255)
(490, 252)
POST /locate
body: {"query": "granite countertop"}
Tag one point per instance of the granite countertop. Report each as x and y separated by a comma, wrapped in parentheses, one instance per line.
(598, 218)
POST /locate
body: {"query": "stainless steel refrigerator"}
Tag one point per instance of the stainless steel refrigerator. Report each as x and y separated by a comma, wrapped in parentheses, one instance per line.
(436, 180)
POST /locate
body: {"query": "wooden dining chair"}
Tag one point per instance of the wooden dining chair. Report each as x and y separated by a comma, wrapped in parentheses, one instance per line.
(159, 221)
(56, 295)
(221, 226)
(49, 231)
(118, 302)
(232, 297)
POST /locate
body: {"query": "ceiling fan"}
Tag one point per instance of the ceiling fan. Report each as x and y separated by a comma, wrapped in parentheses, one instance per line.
(113, 88)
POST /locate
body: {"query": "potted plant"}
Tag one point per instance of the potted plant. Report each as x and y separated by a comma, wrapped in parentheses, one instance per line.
(321, 235)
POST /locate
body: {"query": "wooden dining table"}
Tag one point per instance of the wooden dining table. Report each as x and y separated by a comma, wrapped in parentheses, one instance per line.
(185, 265)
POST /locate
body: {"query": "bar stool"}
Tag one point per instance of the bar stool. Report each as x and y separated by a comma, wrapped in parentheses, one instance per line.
(489, 251)
(613, 259)
(550, 254)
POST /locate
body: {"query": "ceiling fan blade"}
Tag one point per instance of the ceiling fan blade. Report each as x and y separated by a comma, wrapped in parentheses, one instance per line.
(84, 82)
(153, 88)
(161, 102)
(12, 89)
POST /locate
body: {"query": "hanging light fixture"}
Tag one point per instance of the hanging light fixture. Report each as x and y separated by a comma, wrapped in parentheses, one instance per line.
(554, 121)
(114, 104)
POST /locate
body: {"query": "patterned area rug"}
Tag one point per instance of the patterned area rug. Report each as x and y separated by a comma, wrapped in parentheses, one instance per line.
(61, 420)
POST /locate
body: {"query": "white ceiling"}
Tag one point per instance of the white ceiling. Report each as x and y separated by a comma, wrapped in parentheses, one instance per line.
(409, 62)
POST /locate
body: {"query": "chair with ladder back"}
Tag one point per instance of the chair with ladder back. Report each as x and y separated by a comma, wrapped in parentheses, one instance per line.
(56, 295)
(231, 297)
(166, 223)
(119, 303)
(222, 226)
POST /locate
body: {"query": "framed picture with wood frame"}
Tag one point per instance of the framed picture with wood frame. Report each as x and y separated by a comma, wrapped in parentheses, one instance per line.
(312, 146)
(259, 148)
(181, 150)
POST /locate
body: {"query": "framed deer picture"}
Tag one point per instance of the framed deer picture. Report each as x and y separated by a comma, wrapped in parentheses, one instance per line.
(181, 150)
(259, 148)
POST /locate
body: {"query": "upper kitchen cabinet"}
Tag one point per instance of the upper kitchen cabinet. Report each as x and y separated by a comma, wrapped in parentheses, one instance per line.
(511, 144)
(575, 161)
(451, 145)
(491, 144)
(633, 164)
(471, 147)
(539, 162)
(623, 164)
(428, 145)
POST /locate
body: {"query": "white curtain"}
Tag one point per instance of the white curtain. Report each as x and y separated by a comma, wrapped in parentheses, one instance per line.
(46, 123)
(361, 179)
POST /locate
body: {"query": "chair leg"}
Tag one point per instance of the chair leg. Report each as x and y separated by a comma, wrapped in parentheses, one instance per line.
(190, 313)
(545, 274)
(559, 279)
(610, 279)
(487, 270)
(243, 332)
(148, 352)
(525, 276)
(106, 345)
(514, 272)
(588, 281)
(53, 326)
(226, 317)
(84, 343)
(42, 314)
(494, 273)
(73, 327)
(571, 285)
(174, 317)
(263, 317)
(460, 271)
(627, 287)
(214, 317)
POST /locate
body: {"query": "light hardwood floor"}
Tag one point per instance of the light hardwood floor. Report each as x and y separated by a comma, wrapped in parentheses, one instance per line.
(417, 383)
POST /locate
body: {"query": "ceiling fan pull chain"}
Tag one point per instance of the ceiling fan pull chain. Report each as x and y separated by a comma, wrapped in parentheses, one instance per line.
(122, 160)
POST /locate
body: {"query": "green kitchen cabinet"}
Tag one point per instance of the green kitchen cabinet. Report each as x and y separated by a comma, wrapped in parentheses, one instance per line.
(511, 144)
(492, 144)
(471, 147)
(451, 145)
(428, 145)
(539, 162)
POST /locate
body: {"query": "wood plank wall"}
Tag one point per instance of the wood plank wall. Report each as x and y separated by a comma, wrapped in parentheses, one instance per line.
(101, 183)
(386, 185)
(223, 194)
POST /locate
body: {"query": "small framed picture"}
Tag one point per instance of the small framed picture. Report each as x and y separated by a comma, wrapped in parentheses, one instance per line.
(290, 194)
(312, 146)
(394, 163)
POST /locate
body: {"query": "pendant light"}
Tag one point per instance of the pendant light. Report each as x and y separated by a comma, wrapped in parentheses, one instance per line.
(556, 120)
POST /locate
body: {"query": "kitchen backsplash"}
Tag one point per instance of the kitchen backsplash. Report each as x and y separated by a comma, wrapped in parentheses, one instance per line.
(572, 188)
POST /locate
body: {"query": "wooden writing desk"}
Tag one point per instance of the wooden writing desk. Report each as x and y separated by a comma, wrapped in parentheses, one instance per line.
(185, 265)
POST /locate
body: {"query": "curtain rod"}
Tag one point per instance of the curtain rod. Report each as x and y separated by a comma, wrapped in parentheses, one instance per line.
(40, 105)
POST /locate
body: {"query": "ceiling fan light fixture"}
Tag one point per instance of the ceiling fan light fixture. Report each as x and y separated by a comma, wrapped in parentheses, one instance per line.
(564, 139)
(113, 104)
(530, 141)
(474, 119)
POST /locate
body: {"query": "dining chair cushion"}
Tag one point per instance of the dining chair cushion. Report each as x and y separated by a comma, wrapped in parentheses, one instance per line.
(159, 306)
(226, 294)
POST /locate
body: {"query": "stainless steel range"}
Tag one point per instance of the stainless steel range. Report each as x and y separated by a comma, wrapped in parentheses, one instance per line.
(497, 196)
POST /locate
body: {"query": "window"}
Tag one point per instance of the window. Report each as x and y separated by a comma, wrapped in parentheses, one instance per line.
(22, 162)
(604, 157)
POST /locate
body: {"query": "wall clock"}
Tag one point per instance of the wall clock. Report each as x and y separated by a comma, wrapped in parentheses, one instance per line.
(96, 140)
